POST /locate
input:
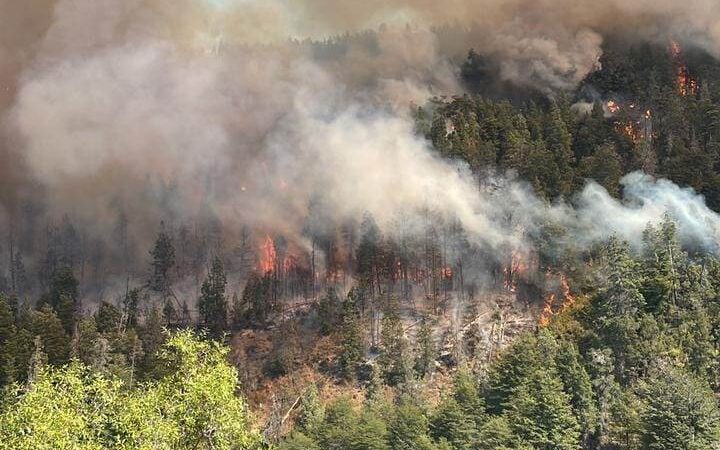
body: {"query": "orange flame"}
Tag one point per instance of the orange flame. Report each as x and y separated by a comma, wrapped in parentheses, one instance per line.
(447, 273)
(549, 308)
(685, 84)
(268, 256)
(675, 49)
(612, 107)
(289, 263)
(516, 270)
(547, 311)
(568, 297)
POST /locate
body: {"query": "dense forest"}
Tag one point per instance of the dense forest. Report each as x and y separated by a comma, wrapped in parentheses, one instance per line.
(406, 334)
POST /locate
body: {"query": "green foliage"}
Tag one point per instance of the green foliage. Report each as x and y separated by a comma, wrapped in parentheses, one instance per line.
(426, 349)
(539, 413)
(163, 260)
(8, 336)
(351, 340)
(681, 413)
(213, 302)
(194, 406)
(108, 318)
(450, 423)
(409, 429)
(394, 350)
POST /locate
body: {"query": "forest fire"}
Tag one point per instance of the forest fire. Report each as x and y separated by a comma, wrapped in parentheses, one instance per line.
(547, 312)
(637, 127)
(612, 107)
(630, 130)
(568, 297)
(268, 256)
(685, 84)
(514, 271)
(550, 308)
(289, 263)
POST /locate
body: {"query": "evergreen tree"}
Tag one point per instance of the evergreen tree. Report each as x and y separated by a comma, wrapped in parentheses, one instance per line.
(329, 311)
(578, 385)
(604, 167)
(312, 411)
(163, 260)
(259, 295)
(393, 350)
(559, 143)
(409, 429)
(426, 349)
(352, 345)
(213, 303)
(539, 413)
(108, 318)
(63, 297)
(450, 423)
(681, 413)
(8, 338)
(130, 305)
(46, 324)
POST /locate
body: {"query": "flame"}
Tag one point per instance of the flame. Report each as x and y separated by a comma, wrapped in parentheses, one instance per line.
(516, 270)
(289, 264)
(268, 256)
(685, 84)
(549, 308)
(675, 49)
(447, 273)
(612, 106)
(568, 297)
(638, 130)
(547, 312)
(630, 130)
(335, 276)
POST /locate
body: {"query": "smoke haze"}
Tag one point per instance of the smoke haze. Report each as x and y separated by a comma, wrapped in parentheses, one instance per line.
(168, 110)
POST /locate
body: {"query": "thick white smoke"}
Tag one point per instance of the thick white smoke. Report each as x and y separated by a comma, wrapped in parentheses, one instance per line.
(646, 201)
(120, 97)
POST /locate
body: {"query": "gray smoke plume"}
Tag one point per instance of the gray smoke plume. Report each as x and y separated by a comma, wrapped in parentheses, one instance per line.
(172, 109)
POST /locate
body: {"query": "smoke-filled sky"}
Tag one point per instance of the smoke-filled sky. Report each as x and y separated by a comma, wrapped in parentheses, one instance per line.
(164, 109)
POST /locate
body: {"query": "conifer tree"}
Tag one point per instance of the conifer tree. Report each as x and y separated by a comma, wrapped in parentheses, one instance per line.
(213, 302)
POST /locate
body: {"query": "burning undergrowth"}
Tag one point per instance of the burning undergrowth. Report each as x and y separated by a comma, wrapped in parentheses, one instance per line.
(126, 114)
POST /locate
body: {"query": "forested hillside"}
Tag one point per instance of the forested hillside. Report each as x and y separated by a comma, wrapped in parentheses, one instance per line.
(495, 234)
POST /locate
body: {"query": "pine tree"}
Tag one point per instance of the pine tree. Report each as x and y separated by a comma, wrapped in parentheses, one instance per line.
(540, 414)
(312, 411)
(8, 336)
(450, 423)
(409, 428)
(467, 396)
(63, 297)
(213, 303)
(163, 260)
(130, 305)
(604, 167)
(496, 434)
(46, 324)
(393, 350)
(108, 318)
(329, 311)
(681, 413)
(259, 295)
(578, 385)
(426, 349)
(559, 143)
(352, 345)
